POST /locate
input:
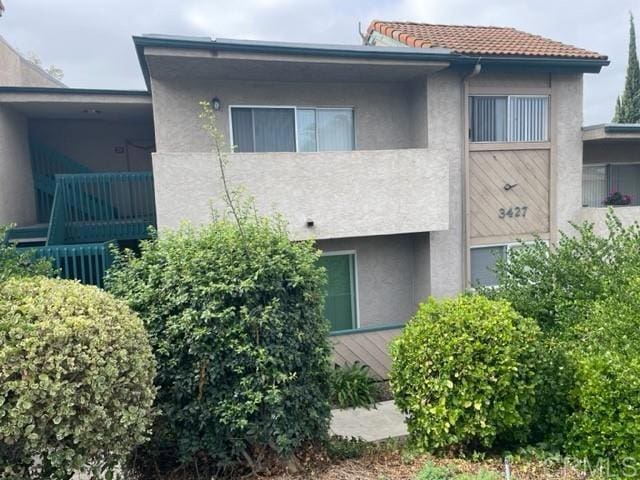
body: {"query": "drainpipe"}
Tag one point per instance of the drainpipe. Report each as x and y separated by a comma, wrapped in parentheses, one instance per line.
(477, 68)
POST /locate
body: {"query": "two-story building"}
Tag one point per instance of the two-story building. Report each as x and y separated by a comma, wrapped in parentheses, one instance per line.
(413, 160)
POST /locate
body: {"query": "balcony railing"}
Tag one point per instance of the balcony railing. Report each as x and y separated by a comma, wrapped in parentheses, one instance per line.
(611, 185)
(97, 207)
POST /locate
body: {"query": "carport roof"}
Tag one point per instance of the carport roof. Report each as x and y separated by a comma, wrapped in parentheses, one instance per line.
(78, 103)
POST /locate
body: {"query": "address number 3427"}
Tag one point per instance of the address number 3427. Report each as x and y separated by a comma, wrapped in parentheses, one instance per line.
(513, 212)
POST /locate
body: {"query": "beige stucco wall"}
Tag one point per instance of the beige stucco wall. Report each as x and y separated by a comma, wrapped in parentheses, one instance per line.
(598, 216)
(17, 71)
(346, 194)
(93, 142)
(444, 119)
(566, 136)
(382, 111)
(17, 197)
(611, 152)
(389, 272)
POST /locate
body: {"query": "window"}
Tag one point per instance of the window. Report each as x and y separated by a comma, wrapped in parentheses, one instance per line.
(598, 181)
(483, 263)
(340, 307)
(290, 129)
(509, 118)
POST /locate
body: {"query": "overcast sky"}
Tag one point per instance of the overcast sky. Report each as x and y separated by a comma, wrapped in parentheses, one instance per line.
(91, 39)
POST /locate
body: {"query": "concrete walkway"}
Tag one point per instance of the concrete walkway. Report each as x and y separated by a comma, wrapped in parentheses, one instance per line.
(380, 423)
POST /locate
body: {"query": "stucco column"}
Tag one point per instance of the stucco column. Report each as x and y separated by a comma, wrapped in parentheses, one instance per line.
(566, 160)
(445, 138)
(17, 196)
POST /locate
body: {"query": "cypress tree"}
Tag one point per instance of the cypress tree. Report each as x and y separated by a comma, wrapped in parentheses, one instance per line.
(628, 104)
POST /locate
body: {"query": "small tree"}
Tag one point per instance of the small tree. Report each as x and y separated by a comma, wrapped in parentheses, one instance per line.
(235, 314)
(628, 105)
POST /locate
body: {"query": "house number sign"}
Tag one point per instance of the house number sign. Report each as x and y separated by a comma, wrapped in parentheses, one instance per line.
(513, 212)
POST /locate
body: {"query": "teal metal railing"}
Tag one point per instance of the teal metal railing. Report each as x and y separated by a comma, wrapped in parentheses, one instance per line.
(46, 163)
(85, 262)
(97, 207)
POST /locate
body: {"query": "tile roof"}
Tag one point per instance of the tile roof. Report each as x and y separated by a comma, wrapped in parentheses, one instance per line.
(474, 40)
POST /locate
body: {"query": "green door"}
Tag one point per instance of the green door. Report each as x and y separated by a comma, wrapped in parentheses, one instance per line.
(340, 300)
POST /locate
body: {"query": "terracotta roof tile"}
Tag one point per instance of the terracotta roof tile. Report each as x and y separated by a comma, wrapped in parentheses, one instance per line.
(474, 40)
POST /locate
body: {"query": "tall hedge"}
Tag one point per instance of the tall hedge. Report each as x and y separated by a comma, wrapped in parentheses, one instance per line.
(235, 319)
(76, 380)
(464, 372)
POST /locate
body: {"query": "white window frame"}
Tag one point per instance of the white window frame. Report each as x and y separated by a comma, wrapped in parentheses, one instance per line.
(355, 281)
(295, 109)
(508, 97)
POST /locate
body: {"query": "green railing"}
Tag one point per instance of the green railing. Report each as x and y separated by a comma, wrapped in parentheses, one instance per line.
(96, 207)
(46, 163)
(85, 262)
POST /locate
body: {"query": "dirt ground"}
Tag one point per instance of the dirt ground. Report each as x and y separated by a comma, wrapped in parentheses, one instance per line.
(393, 465)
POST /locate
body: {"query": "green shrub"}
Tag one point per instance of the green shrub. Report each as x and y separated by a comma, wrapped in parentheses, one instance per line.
(235, 316)
(352, 386)
(76, 379)
(434, 472)
(555, 285)
(17, 263)
(605, 426)
(464, 371)
(605, 397)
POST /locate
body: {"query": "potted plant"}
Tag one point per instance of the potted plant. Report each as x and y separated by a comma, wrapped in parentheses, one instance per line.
(617, 198)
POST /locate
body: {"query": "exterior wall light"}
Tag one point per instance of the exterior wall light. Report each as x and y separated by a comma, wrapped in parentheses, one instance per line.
(215, 103)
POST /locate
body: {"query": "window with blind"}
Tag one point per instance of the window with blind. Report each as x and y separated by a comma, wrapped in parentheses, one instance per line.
(484, 260)
(340, 300)
(599, 181)
(509, 118)
(290, 129)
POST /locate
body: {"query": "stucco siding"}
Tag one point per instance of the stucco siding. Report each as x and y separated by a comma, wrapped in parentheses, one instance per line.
(386, 276)
(598, 216)
(17, 197)
(444, 118)
(382, 111)
(17, 71)
(567, 101)
(93, 143)
(345, 194)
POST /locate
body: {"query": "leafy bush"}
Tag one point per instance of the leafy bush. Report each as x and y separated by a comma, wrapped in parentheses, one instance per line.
(16, 263)
(352, 386)
(434, 472)
(235, 315)
(464, 371)
(76, 379)
(605, 397)
(556, 285)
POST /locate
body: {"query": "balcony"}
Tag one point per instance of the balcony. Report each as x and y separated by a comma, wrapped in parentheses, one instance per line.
(321, 194)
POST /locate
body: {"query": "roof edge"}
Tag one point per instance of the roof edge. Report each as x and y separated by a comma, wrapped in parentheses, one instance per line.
(559, 64)
(74, 91)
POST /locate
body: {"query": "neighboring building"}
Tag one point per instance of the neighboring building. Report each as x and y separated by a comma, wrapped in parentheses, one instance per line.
(411, 160)
(18, 71)
(611, 173)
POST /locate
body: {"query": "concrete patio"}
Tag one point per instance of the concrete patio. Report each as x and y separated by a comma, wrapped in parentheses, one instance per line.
(374, 425)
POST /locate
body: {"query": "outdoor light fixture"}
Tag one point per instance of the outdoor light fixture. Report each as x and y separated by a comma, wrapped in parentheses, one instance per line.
(215, 103)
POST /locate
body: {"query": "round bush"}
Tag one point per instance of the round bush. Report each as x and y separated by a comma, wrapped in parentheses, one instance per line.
(464, 372)
(236, 323)
(76, 379)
